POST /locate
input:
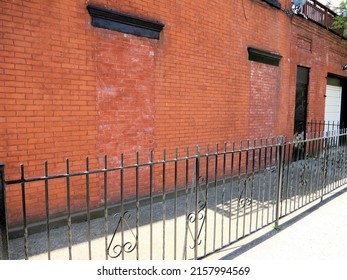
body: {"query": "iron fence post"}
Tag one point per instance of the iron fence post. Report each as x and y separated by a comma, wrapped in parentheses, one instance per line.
(326, 159)
(3, 221)
(197, 175)
(280, 177)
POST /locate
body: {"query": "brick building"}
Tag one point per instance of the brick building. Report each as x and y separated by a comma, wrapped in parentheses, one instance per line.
(89, 78)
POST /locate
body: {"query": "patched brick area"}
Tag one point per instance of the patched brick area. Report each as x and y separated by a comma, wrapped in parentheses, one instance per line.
(265, 83)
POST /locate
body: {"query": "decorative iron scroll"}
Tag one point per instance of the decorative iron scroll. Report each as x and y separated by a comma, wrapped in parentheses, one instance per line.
(115, 250)
(192, 218)
(199, 215)
(246, 201)
(340, 161)
(304, 166)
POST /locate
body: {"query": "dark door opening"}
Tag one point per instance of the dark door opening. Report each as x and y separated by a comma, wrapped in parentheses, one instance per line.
(343, 122)
(300, 117)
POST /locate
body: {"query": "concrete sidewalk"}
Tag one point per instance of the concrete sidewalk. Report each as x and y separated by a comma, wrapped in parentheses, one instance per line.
(318, 232)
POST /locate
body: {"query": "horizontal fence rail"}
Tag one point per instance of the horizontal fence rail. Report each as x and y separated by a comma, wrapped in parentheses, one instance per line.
(184, 207)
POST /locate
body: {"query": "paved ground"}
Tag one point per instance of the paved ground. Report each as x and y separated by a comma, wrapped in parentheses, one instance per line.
(317, 233)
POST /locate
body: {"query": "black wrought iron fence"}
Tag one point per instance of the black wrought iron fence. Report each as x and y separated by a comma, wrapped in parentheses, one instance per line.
(185, 207)
(317, 126)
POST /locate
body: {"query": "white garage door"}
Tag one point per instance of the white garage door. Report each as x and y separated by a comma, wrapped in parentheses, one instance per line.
(332, 105)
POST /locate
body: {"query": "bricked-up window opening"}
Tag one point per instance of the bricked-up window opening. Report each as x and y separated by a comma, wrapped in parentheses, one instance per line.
(264, 56)
(265, 85)
(113, 20)
(264, 102)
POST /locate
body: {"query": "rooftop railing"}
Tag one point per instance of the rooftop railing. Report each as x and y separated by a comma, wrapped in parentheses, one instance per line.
(321, 14)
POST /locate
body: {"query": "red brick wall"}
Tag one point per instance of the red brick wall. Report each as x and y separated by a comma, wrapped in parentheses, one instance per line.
(48, 96)
(70, 90)
(323, 53)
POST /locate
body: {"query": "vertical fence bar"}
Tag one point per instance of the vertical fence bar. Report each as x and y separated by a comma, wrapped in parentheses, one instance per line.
(231, 188)
(259, 184)
(137, 205)
(175, 204)
(206, 195)
(280, 178)
(316, 167)
(215, 198)
(270, 182)
(223, 192)
(245, 191)
(297, 173)
(306, 170)
(311, 158)
(151, 205)
(47, 210)
(343, 138)
(319, 168)
(68, 197)
(122, 202)
(291, 169)
(272, 190)
(3, 218)
(252, 186)
(25, 226)
(335, 171)
(238, 191)
(164, 200)
(185, 249)
(197, 175)
(283, 181)
(264, 182)
(301, 183)
(321, 164)
(330, 161)
(275, 185)
(105, 207)
(88, 209)
(325, 163)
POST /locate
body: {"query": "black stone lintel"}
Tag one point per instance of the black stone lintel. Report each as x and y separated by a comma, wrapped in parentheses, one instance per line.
(273, 3)
(264, 56)
(112, 20)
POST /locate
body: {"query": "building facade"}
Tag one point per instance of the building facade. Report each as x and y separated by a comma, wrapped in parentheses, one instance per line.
(89, 78)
